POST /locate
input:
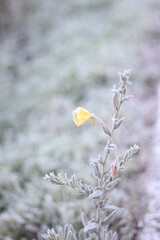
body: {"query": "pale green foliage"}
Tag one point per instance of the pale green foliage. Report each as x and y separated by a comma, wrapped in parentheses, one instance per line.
(52, 60)
(67, 233)
(72, 182)
(102, 214)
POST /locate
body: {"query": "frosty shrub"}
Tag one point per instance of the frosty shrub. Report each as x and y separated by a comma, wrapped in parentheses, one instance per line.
(106, 175)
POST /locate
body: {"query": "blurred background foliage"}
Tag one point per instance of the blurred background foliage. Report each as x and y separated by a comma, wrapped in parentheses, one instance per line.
(55, 56)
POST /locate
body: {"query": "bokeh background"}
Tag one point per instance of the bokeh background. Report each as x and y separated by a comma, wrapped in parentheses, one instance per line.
(56, 56)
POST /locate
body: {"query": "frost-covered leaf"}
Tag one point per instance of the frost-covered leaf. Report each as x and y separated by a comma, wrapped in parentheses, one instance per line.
(84, 219)
(118, 122)
(109, 208)
(112, 184)
(111, 236)
(95, 194)
(109, 218)
(130, 152)
(72, 182)
(91, 226)
(66, 233)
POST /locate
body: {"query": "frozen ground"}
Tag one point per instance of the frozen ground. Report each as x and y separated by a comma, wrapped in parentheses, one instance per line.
(56, 56)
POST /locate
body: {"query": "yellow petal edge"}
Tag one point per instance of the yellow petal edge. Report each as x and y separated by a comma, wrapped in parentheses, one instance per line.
(80, 116)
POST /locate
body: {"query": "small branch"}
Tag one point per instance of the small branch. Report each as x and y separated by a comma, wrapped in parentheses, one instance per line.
(71, 182)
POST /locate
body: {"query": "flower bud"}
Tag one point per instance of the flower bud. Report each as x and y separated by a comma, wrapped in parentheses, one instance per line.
(114, 169)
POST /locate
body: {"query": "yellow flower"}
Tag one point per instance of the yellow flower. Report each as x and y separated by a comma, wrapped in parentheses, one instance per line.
(80, 116)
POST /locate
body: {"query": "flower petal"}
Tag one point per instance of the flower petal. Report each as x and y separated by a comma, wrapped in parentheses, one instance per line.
(75, 119)
(81, 115)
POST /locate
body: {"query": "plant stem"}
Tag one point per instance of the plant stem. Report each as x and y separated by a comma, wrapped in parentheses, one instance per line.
(101, 200)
